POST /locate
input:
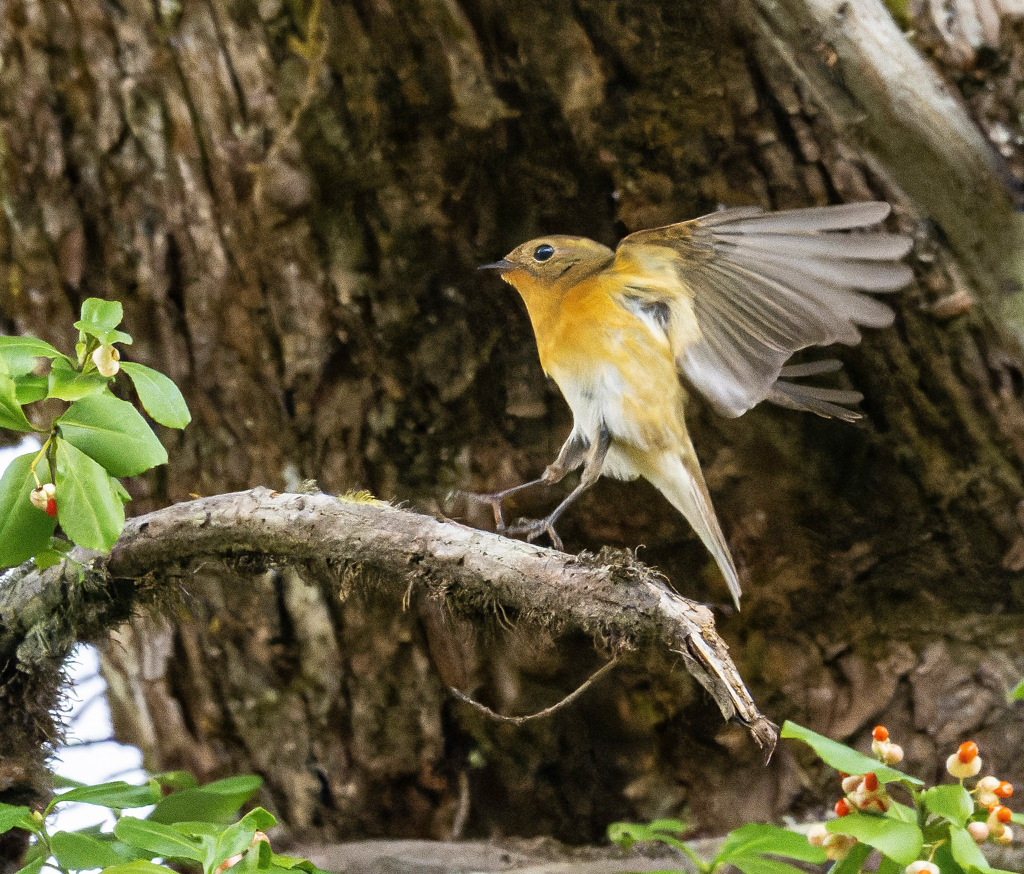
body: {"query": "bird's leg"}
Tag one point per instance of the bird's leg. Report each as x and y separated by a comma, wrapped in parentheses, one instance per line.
(593, 462)
(570, 456)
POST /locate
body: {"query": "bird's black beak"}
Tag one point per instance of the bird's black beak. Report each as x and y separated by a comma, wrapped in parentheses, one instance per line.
(501, 266)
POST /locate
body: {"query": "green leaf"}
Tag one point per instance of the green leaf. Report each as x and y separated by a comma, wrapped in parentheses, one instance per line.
(103, 337)
(175, 780)
(113, 433)
(12, 816)
(99, 313)
(75, 850)
(851, 863)
(889, 866)
(257, 859)
(12, 416)
(90, 503)
(25, 530)
(160, 840)
(842, 758)
(199, 829)
(35, 866)
(1018, 693)
(666, 831)
(258, 819)
(902, 812)
(100, 319)
(238, 837)
(35, 850)
(234, 839)
(140, 866)
(953, 802)
(117, 795)
(294, 863)
(159, 395)
(901, 841)
(67, 383)
(967, 854)
(29, 388)
(214, 802)
(761, 865)
(756, 838)
(947, 864)
(20, 354)
(47, 557)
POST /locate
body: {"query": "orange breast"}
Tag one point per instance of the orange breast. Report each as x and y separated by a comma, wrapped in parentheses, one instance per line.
(610, 365)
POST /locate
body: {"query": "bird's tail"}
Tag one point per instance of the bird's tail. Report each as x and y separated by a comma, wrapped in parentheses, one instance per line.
(679, 478)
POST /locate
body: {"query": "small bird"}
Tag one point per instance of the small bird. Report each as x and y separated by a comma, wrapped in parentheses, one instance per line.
(724, 301)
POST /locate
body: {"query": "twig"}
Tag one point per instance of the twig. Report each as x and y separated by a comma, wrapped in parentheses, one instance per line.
(547, 711)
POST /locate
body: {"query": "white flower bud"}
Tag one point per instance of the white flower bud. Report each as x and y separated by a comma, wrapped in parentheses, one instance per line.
(979, 831)
(106, 359)
(961, 770)
(817, 834)
(893, 754)
(838, 846)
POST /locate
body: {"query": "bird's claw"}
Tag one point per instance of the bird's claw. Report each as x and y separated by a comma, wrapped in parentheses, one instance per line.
(494, 499)
(534, 528)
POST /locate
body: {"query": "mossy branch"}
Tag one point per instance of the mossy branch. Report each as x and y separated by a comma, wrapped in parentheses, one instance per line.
(619, 602)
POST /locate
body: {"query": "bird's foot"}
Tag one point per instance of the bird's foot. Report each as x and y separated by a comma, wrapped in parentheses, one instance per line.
(534, 528)
(494, 499)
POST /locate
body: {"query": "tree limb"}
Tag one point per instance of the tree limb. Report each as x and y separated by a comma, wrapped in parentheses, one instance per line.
(879, 91)
(619, 602)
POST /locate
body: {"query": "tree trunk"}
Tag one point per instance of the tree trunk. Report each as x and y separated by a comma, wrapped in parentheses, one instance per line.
(290, 206)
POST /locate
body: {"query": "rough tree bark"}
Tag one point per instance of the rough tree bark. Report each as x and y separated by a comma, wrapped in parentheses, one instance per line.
(290, 199)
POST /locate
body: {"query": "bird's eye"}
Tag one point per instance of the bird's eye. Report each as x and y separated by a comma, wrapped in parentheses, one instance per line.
(542, 253)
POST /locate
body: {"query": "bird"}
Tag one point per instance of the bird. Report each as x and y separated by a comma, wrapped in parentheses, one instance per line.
(717, 304)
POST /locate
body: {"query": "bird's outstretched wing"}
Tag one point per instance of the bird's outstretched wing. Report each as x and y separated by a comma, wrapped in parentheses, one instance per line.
(739, 291)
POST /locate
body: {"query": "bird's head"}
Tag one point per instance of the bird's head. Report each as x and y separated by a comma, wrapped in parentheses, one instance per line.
(552, 262)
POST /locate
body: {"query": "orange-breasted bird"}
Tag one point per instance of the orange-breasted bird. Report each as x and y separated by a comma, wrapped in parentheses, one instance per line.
(723, 300)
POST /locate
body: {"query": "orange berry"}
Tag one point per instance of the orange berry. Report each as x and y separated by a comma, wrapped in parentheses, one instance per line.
(967, 751)
(1004, 789)
(51, 507)
(1001, 813)
(871, 782)
(842, 807)
(880, 733)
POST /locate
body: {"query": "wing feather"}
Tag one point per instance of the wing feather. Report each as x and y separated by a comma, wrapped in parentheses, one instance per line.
(761, 286)
(863, 274)
(844, 217)
(871, 246)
